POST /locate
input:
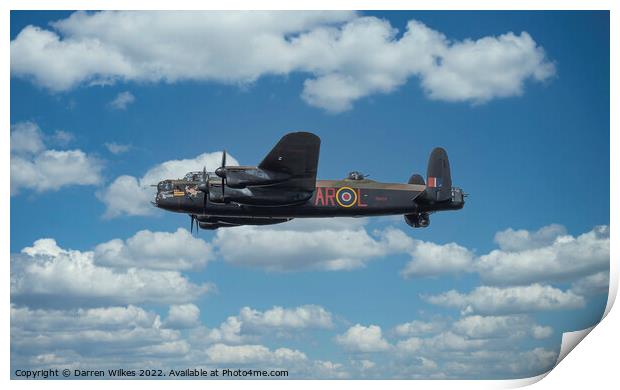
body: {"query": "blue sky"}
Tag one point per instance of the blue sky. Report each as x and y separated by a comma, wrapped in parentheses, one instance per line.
(527, 132)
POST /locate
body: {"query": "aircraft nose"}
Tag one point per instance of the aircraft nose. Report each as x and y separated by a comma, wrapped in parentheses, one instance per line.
(157, 199)
(163, 202)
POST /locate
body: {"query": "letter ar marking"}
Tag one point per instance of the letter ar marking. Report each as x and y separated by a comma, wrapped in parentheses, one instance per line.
(330, 193)
(319, 197)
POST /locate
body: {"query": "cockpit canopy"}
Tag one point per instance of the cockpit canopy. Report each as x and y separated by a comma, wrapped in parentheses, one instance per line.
(164, 186)
(194, 176)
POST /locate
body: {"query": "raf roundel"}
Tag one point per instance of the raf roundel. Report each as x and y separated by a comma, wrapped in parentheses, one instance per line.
(346, 197)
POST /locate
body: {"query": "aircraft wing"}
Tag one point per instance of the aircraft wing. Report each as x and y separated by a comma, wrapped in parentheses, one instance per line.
(296, 154)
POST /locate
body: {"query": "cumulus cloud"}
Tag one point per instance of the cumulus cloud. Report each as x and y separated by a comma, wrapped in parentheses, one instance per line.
(26, 137)
(346, 56)
(122, 100)
(34, 167)
(62, 137)
(360, 338)
(99, 331)
(510, 326)
(156, 250)
(307, 316)
(597, 283)
(116, 148)
(46, 274)
(467, 347)
(128, 195)
(417, 327)
(541, 332)
(132, 337)
(519, 299)
(511, 240)
(300, 245)
(246, 354)
(113, 317)
(545, 255)
(182, 316)
(429, 259)
(250, 323)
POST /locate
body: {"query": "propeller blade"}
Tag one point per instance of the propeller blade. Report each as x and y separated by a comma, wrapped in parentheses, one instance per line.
(191, 229)
(224, 159)
(204, 187)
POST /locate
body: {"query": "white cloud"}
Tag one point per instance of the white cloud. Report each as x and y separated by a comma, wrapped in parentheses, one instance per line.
(276, 321)
(246, 354)
(116, 148)
(125, 195)
(597, 283)
(122, 100)
(546, 255)
(450, 341)
(40, 169)
(511, 326)
(228, 332)
(346, 56)
(543, 256)
(429, 259)
(488, 326)
(155, 250)
(46, 274)
(62, 137)
(444, 341)
(298, 245)
(519, 299)
(417, 328)
(183, 316)
(128, 195)
(26, 137)
(359, 338)
(541, 332)
(511, 240)
(301, 317)
(113, 317)
(106, 330)
(410, 345)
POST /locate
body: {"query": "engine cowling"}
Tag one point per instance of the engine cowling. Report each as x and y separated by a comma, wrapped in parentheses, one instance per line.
(242, 177)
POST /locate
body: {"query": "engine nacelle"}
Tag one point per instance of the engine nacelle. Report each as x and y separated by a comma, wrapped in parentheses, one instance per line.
(418, 220)
(241, 177)
(258, 196)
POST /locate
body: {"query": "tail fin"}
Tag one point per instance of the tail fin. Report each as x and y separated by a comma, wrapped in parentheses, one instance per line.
(438, 179)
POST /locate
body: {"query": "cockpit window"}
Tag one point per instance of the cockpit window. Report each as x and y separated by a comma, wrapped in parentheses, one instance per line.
(193, 176)
(164, 186)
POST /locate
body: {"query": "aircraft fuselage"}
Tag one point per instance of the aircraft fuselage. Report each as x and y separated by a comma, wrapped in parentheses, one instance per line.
(331, 198)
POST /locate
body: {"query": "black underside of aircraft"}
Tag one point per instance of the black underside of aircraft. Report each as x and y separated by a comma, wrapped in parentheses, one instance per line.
(284, 186)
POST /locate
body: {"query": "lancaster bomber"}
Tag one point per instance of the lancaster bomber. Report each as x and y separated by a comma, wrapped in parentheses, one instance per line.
(284, 186)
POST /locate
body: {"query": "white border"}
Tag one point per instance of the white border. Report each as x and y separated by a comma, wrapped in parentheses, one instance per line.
(593, 363)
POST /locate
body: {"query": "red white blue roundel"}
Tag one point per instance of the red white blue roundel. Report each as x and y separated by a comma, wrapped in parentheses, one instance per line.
(346, 197)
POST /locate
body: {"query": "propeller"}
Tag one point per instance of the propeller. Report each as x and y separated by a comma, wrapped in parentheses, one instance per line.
(191, 229)
(221, 171)
(204, 187)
